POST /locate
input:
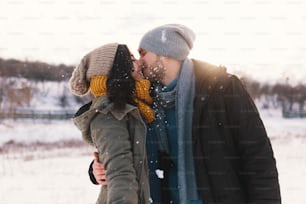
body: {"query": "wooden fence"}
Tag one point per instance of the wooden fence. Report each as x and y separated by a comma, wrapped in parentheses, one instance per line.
(38, 114)
(68, 114)
(294, 113)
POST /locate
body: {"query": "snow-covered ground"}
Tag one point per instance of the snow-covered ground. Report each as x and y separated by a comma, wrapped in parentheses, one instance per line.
(46, 161)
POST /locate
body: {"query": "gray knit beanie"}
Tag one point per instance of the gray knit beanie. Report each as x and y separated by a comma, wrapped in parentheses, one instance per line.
(170, 40)
(96, 63)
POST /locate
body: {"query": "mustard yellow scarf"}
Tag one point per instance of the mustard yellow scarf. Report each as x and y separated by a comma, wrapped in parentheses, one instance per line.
(142, 97)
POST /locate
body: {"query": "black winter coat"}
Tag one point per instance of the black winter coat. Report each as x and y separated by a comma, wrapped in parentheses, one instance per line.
(233, 156)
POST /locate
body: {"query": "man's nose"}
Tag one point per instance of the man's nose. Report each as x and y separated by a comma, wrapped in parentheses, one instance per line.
(139, 63)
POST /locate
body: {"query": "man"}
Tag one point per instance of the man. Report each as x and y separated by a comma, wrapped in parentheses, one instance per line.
(211, 143)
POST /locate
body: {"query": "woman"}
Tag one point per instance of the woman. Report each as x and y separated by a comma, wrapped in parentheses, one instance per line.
(114, 122)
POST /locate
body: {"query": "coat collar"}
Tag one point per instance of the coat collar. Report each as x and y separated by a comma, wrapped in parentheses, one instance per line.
(88, 112)
(103, 105)
(210, 79)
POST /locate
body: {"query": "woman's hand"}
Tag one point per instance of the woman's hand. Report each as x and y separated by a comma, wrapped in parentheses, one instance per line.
(98, 170)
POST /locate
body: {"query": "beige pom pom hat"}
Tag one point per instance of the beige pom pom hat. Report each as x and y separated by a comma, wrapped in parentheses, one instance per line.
(96, 63)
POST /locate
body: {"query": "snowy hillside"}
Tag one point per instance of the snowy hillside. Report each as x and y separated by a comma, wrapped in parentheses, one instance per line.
(23, 94)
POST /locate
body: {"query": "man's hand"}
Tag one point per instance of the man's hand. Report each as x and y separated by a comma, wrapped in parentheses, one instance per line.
(98, 170)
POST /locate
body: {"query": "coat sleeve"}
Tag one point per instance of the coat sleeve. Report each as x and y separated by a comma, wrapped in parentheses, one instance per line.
(115, 152)
(257, 163)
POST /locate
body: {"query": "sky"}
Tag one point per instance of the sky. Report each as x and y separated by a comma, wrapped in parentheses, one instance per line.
(263, 39)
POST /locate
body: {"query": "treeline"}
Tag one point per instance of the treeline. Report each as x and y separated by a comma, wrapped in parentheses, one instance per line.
(284, 94)
(36, 71)
(272, 95)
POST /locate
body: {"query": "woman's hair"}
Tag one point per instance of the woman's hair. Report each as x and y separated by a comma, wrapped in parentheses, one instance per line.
(120, 83)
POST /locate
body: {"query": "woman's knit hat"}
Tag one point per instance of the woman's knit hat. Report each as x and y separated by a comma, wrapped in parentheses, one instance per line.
(96, 63)
(170, 40)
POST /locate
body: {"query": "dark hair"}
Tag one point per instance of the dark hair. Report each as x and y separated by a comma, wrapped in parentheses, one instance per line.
(120, 83)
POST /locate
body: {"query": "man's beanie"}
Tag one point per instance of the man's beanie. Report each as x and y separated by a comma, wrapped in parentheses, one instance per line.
(96, 63)
(170, 40)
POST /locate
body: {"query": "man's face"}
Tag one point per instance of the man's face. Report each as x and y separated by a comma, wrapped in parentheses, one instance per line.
(152, 67)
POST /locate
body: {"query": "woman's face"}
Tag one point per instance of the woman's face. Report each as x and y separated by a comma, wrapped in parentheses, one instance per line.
(137, 72)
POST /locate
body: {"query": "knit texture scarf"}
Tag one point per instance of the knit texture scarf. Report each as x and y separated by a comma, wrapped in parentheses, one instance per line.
(141, 97)
(184, 108)
(162, 101)
(182, 98)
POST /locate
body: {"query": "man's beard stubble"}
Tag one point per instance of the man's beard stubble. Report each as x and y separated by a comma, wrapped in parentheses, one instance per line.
(156, 71)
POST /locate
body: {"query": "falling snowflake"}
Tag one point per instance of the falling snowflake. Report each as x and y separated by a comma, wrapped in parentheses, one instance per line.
(159, 173)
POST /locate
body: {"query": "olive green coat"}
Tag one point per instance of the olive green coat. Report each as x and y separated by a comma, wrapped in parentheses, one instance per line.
(119, 137)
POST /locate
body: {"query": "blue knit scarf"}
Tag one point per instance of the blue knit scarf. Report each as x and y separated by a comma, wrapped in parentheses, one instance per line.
(182, 97)
(184, 108)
